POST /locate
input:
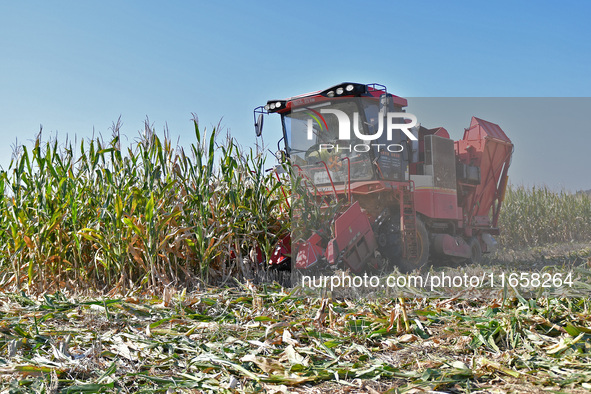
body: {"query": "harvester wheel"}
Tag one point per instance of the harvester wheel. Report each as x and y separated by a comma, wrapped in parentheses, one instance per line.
(407, 265)
(476, 251)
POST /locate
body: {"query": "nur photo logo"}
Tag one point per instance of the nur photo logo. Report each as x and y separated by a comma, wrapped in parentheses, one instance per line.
(393, 121)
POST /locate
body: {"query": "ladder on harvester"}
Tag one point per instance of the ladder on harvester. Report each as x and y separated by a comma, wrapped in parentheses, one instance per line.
(408, 217)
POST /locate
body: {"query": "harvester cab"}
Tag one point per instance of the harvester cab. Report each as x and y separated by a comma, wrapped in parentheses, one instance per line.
(388, 191)
(313, 132)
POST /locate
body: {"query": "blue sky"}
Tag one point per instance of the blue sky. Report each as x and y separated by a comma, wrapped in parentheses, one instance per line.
(76, 67)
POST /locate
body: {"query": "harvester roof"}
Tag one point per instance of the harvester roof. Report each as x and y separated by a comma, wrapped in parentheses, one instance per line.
(345, 89)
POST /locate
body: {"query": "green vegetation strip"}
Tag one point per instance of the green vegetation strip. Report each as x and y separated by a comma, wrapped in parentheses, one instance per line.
(99, 215)
(261, 339)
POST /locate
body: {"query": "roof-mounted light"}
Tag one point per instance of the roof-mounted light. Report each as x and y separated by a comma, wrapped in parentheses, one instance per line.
(275, 105)
(346, 89)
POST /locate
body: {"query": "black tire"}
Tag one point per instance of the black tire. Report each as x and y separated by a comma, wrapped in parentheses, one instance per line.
(407, 265)
(476, 251)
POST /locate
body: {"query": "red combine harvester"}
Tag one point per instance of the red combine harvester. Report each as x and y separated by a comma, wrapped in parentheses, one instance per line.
(410, 194)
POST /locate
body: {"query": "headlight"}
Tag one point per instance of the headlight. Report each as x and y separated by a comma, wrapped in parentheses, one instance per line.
(275, 105)
(346, 89)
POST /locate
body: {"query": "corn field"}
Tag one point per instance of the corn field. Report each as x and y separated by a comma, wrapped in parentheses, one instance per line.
(96, 217)
(538, 216)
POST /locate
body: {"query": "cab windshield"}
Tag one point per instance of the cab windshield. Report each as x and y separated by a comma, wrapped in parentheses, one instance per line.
(314, 143)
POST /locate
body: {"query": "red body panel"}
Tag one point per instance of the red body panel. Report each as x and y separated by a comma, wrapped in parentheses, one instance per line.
(354, 237)
(309, 252)
(438, 203)
(282, 252)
